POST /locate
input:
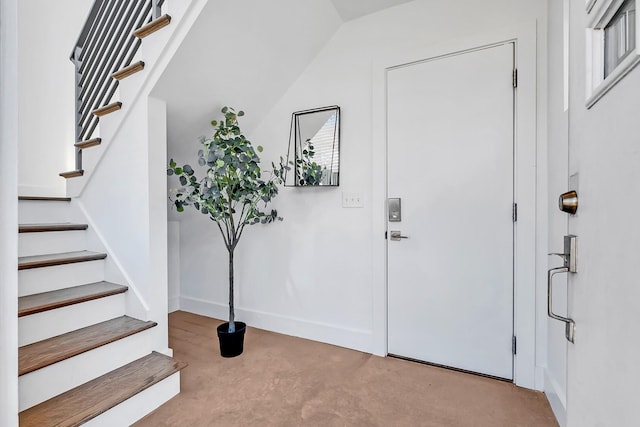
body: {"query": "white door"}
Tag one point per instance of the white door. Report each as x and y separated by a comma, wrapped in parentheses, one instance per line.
(450, 160)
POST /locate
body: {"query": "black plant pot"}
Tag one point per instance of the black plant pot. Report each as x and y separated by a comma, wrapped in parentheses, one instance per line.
(231, 343)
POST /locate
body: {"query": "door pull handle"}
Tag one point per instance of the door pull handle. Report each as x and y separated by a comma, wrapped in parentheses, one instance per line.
(569, 331)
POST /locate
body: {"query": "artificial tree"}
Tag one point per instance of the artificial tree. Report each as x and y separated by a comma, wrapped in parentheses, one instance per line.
(233, 189)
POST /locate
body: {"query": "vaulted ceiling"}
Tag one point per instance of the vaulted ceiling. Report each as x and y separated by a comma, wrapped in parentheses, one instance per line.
(353, 9)
(246, 54)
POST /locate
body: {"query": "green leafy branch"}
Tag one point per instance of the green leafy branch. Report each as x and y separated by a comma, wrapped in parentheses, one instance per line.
(233, 192)
(308, 172)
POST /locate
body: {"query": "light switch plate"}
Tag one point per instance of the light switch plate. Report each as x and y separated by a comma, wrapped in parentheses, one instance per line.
(351, 200)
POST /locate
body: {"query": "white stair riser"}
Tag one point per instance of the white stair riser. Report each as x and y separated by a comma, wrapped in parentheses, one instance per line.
(136, 407)
(35, 211)
(45, 383)
(90, 159)
(51, 242)
(45, 279)
(40, 326)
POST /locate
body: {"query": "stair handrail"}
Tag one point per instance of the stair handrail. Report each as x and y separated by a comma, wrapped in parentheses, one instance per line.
(105, 45)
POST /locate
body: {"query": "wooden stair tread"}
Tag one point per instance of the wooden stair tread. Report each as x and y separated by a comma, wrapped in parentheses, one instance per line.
(88, 143)
(109, 108)
(152, 26)
(45, 198)
(43, 353)
(62, 226)
(72, 174)
(37, 303)
(97, 396)
(128, 70)
(49, 260)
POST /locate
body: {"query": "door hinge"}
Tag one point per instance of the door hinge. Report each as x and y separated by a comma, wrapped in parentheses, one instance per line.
(515, 77)
(385, 234)
(514, 345)
(514, 212)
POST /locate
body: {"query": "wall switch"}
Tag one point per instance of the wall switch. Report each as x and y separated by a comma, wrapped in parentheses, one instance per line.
(351, 200)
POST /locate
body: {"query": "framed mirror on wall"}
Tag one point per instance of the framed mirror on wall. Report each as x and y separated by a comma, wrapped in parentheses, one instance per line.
(314, 148)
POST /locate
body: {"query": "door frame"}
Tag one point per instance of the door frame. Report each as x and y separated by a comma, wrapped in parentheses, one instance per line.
(525, 371)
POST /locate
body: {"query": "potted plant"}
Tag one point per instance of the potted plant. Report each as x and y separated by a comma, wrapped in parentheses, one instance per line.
(233, 193)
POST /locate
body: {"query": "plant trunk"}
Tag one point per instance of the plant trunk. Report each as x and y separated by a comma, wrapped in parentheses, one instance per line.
(232, 323)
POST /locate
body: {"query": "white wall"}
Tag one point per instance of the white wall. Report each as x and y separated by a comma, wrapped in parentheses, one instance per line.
(604, 149)
(281, 39)
(121, 204)
(312, 274)
(47, 33)
(9, 213)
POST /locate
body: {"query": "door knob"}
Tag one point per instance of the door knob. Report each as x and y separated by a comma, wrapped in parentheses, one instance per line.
(397, 235)
(568, 202)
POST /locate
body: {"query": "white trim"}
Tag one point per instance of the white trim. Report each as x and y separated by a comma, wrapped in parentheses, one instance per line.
(556, 399)
(157, 290)
(174, 304)
(603, 13)
(355, 339)
(525, 37)
(628, 64)
(597, 84)
(9, 215)
(590, 4)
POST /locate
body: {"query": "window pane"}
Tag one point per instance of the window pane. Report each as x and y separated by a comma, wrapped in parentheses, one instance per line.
(620, 36)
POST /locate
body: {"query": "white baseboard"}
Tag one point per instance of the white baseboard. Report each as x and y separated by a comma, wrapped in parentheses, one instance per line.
(556, 399)
(354, 339)
(174, 304)
(540, 373)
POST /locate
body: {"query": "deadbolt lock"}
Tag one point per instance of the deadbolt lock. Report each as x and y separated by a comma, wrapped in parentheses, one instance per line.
(568, 202)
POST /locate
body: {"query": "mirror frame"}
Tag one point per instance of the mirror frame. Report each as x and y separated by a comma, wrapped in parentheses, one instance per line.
(295, 144)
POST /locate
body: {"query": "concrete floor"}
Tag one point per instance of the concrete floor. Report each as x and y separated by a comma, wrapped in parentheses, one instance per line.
(286, 381)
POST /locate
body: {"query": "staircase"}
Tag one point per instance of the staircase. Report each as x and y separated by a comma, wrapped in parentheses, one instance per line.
(84, 358)
(81, 358)
(103, 56)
